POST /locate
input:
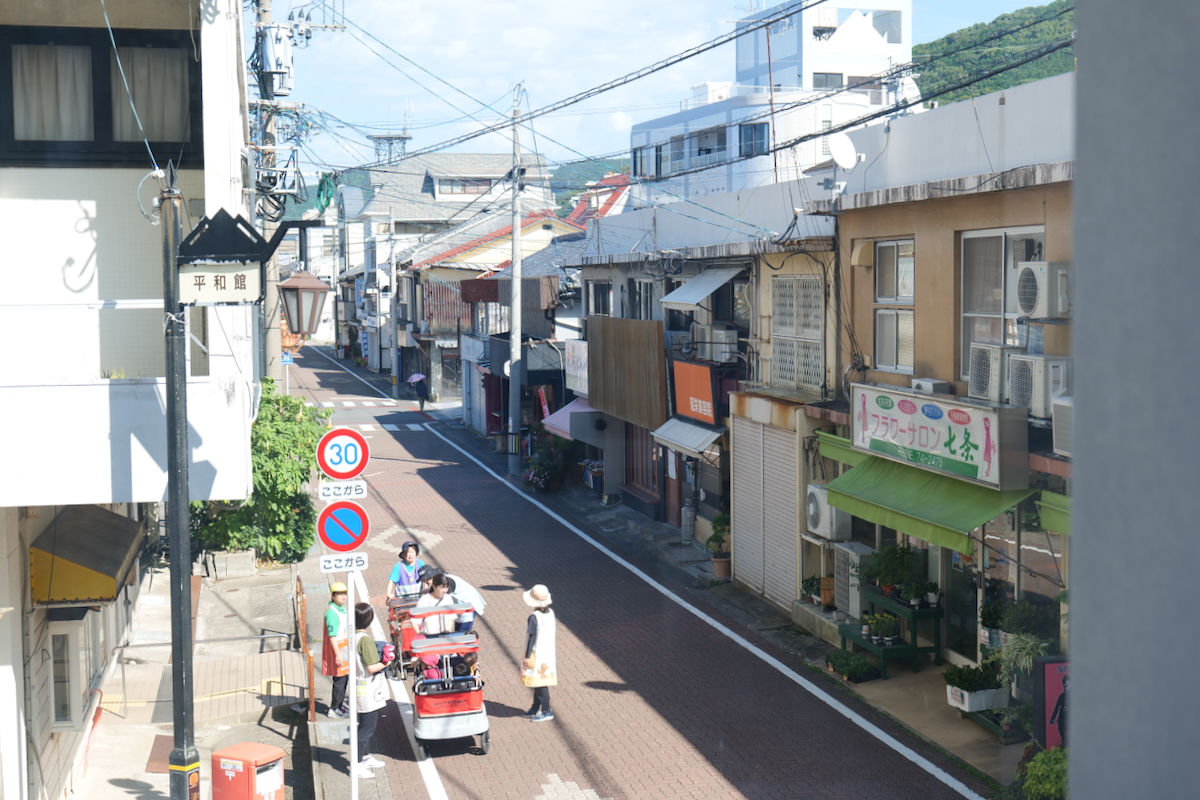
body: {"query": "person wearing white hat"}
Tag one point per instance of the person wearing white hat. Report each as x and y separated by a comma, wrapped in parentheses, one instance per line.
(538, 670)
(335, 649)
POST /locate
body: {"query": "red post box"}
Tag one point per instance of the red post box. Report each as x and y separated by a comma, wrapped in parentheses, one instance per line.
(248, 771)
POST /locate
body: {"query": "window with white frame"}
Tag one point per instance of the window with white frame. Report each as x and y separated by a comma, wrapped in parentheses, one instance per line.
(71, 642)
(895, 285)
(990, 314)
(797, 322)
(599, 294)
(641, 296)
(464, 186)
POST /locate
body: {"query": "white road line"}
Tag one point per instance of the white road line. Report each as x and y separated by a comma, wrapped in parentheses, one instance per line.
(366, 428)
(429, 773)
(368, 403)
(388, 403)
(816, 691)
(387, 426)
(348, 403)
(414, 426)
(333, 360)
(327, 404)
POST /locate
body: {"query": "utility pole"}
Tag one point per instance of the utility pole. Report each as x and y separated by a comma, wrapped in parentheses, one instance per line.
(184, 760)
(395, 306)
(514, 313)
(272, 336)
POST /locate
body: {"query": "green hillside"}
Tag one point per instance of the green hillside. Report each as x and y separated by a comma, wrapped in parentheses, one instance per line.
(953, 69)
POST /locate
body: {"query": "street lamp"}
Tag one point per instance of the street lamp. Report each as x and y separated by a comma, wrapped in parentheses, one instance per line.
(303, 299)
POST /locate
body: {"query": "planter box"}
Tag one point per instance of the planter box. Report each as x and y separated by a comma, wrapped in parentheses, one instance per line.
(238, 564)
(870, 676)
(977, 701)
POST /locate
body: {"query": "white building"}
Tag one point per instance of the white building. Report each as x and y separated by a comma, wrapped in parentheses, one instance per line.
(82, 384)
(781, 90)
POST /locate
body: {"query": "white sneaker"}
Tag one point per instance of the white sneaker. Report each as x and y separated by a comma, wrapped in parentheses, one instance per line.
(361, 771)
(371, 762)
(334, 713)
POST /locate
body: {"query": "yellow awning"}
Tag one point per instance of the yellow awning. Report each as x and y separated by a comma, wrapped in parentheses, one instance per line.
(83, 555)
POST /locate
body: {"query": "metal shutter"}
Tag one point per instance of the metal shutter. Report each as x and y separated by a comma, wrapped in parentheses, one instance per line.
(780, 515)
(747, 504)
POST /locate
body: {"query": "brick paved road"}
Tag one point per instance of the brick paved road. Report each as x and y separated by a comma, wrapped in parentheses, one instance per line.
(652, 702)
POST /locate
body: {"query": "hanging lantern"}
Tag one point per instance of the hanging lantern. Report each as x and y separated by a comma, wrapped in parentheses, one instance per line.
(303, 299)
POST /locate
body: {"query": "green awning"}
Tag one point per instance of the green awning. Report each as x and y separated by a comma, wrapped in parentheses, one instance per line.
(931, 507)
(838, 448)
(1056, 512)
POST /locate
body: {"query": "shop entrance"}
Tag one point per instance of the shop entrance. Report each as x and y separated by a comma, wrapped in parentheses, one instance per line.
(962, 606)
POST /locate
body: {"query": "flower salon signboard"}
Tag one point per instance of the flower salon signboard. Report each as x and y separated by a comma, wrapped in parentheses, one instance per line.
(985, 443)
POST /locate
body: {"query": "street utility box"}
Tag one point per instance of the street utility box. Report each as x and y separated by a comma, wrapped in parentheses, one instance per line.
(248, 771)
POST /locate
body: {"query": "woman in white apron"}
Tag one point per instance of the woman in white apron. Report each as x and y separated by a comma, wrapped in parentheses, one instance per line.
(370, 688)
(538, 670)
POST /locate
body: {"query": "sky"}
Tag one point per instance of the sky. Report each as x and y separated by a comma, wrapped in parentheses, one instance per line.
(554, 48)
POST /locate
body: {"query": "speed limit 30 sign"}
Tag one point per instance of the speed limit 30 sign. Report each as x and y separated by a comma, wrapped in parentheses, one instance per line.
(343, 454)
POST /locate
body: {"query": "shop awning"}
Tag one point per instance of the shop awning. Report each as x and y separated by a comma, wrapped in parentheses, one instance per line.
(83, 555)
(686, 437)
(559, 423)
(838, 448)
(931, 507)
(689, 296)
(1056, 512)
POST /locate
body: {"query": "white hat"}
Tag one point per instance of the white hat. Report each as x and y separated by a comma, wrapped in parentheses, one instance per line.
(537, 597)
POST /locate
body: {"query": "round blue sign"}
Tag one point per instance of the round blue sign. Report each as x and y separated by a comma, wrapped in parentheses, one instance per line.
(931, 411)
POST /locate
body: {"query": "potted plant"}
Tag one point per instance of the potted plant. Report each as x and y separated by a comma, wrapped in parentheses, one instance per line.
(975, 688)
(932, 594)
(911, 593)
(1025, 616)
(718, 545)
(811, 588)
(853, 667)
(1015, 717)
(887, 628)
(989, 618)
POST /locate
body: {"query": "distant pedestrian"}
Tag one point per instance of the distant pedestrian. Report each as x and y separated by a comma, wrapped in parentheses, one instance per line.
(422, 390)
(439, 595)
(370, 688)
(538, 670)
(335, 649)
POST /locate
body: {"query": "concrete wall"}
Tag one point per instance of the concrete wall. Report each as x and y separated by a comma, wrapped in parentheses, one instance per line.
(935, 227)
(1138, 169)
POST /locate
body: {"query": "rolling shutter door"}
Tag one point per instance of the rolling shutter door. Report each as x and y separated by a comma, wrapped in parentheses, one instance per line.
(747, 504)
(780, 504)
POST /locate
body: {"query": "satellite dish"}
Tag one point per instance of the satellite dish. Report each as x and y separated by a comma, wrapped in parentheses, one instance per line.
(843, 152)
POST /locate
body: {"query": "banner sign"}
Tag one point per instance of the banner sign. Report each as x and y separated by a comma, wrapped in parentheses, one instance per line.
(694, 391)
(1052, 680)
(577, 366)
(986, 443)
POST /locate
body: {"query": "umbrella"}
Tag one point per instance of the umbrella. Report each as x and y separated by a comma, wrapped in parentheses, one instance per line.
(416, 376)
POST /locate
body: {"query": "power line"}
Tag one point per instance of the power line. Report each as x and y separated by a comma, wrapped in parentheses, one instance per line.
(784, 13)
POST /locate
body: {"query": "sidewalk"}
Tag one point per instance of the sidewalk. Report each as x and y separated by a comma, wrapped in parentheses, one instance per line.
(238, 693)
(915, 701)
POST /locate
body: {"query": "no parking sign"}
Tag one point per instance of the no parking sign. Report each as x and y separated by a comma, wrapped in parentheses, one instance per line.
(343, 526)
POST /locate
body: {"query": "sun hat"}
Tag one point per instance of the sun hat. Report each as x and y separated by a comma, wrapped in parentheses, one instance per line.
(424, 572)
(407, 545)
(537, 597)
(337, 588)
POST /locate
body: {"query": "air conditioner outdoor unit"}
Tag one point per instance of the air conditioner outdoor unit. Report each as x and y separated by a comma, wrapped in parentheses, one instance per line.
(988, 363)
(702, 336)
(1063, 412)
(1034, 382)
(847, 594)
(823, 519)
(931, 386)
(724, 347)
(1044, 289)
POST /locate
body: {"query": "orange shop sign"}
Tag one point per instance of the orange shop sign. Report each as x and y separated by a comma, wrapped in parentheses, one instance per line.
(694, 392)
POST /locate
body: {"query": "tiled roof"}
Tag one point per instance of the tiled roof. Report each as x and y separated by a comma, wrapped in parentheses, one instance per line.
(405, 191)
(481, 240)
(547, 260)
(583, 210)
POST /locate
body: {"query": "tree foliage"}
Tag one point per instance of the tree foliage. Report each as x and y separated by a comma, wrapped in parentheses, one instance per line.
(953, 69)
(279, 519)
(568, 181)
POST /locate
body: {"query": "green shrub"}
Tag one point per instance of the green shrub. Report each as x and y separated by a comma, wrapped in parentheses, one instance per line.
(279, 519)
(1046, 775)
(991, 615)
(972, 679)
(1024, 616)
(852, 665)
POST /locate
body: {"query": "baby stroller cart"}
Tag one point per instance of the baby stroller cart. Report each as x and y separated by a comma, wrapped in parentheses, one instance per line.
(402, 633)
(449, 707)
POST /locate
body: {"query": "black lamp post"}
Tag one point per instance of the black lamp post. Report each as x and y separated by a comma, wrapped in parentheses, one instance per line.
(303, 299)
